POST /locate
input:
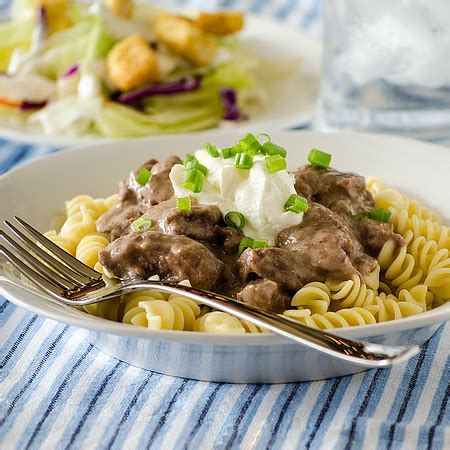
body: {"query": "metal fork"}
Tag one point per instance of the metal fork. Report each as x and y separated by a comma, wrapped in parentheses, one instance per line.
(73, 283)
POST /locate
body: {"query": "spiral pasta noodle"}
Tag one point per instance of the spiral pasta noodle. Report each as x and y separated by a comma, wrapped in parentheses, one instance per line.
(152, 310)
(219, 323)
(313, 296)
(343, 318)
(89, 247)
(60, 241)
(95, 207)
(350, 293)
(390, 308)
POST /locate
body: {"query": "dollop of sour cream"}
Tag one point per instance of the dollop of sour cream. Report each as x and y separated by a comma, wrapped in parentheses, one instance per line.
(257, 194)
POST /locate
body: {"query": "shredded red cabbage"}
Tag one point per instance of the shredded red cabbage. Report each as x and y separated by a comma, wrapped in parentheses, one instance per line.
(42, 23)
(231, 108)
(71, 71)
(184, 84)
(27, 105)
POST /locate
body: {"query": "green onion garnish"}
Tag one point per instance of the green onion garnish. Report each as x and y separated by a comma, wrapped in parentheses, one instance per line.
(194, 180)
(188, 158)
(274, 163)
(194, 164)
(142, 224)
(229, 152)
(269, 148)
(246, 242)
(143, 176)
(319, 158)
(243, 161)
(184, 204)
(212, 150)
(234, 219)
(296, 204)
(260, 243)
(363, 215)
(380, 215)
(250, 144)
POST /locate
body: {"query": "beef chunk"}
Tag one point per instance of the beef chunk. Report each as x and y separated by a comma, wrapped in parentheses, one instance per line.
(173, 258)
(328, 246)
(265, 294)
(277, 264)
(159, 188)
(199, 223)
(340, 191)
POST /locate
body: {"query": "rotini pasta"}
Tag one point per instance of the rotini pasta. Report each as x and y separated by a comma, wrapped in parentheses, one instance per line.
(390, 308)
(220, 323)
(89, 247)
(62, 242)
(78, 225)
(343, 318)
(350, 293)
(150, 309)
(95, 207)
(313, 296)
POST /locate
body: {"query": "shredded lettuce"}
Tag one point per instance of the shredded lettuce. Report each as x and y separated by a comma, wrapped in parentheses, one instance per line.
(84, 41)
(71, 116)
(117, 120)
(13, 36)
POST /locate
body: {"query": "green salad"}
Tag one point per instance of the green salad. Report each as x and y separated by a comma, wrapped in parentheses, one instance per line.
(118, 68)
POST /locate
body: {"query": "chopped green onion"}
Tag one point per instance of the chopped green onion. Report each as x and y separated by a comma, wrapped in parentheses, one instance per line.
(246, 242)
(196, 165)
(234, 219)
(243, 161)
(142, 224)
(260, 243)
(265, 135)
(184, 204)
(188, 158)
(229, 152)
(296, 204)
(250, 144)
(269, 148)
(274, 163)
(143, 176)
(194, 180)
(212, 150)
(319, 158)
(380, 214)
(363, 215)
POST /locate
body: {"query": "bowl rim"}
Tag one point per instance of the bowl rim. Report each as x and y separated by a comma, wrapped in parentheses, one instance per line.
(80, 319)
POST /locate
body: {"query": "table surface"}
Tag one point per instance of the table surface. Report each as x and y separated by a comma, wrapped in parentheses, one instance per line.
(58, 391)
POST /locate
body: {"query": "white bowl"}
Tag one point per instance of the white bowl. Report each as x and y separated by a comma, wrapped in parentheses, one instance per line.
(37, 192)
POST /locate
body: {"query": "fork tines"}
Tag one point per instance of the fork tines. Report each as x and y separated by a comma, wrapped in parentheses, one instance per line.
(35, 260)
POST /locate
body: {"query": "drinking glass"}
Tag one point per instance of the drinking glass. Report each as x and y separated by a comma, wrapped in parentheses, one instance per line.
(386, 67)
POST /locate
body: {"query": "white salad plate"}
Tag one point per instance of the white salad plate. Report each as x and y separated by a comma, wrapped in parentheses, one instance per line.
(37, 191)
(297, 58)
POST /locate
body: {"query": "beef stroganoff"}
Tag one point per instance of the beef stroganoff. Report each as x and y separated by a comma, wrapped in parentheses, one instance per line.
(320, 246)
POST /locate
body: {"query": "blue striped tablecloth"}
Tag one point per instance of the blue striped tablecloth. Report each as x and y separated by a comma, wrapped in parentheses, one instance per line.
(57, 391)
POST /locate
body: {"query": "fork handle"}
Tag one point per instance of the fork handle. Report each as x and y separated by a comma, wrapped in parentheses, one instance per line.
(350, 350)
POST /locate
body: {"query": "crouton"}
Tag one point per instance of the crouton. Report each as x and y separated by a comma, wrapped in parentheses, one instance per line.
(56, 14)
(132, 63)
(221, 23)
(121, 8)
(183, 37)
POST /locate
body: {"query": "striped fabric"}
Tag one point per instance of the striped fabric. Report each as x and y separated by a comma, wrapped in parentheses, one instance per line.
(57, 391)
